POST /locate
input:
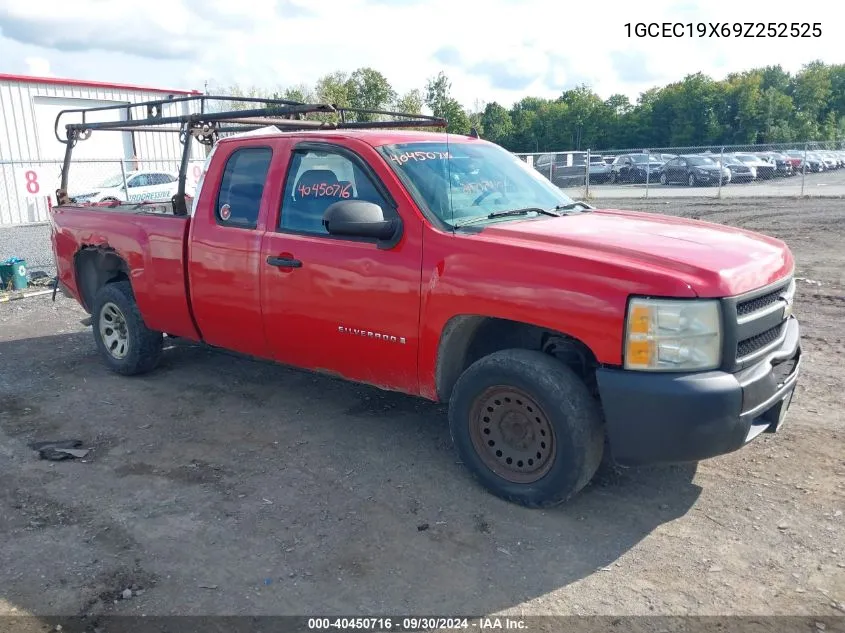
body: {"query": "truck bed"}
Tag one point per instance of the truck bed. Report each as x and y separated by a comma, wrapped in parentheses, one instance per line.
(149, 238)
(136, 208)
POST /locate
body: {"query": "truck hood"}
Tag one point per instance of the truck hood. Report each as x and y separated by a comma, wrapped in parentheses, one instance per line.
(715, 260)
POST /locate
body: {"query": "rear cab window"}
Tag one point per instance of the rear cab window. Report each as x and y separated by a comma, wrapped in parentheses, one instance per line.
(242, 186)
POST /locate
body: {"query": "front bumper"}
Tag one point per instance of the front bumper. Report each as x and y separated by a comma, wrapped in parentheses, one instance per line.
(664, 418)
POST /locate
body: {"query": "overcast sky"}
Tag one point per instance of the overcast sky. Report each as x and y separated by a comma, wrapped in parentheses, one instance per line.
(498, 50)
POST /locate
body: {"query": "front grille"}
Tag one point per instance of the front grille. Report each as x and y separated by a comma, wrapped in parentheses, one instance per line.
(759, 303)
(759, 324)
(750, 345)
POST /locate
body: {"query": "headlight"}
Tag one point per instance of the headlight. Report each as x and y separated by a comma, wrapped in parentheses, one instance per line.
(672, 335)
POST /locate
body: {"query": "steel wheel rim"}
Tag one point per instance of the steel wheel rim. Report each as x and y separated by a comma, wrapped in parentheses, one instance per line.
(512, 434)
(113, 331)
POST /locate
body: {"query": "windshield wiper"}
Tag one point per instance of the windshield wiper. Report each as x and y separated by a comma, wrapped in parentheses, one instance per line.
(572, 205)
(512, 212)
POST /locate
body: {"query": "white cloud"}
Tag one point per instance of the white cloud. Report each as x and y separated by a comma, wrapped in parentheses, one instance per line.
(497, 49)
(38, 66)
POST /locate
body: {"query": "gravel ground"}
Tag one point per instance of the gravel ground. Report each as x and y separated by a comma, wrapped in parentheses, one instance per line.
(223, 485)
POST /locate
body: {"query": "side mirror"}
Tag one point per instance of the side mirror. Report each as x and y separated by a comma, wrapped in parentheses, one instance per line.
(357, 218)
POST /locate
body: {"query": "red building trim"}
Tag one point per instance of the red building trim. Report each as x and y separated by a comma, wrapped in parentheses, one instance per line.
(57, 81)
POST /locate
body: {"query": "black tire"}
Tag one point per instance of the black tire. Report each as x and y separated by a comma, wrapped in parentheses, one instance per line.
(577, 438)
(140, 346)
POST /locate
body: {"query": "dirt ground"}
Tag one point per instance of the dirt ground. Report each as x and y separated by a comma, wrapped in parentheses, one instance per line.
(223, 485)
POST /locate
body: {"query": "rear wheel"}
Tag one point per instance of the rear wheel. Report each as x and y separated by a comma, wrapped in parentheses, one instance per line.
(527, 427)
(127, 346)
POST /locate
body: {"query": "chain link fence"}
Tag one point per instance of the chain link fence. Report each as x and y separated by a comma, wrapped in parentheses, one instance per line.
(27, 188)
(730, 171)
(773, 170)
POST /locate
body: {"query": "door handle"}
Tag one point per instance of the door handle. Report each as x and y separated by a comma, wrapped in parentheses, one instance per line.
(284, 262)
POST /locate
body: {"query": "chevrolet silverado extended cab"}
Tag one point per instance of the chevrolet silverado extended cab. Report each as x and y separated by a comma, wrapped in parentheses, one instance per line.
(442, 266)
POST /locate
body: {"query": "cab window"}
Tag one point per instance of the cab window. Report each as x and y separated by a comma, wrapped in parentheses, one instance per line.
(318, 179)
(241, 188)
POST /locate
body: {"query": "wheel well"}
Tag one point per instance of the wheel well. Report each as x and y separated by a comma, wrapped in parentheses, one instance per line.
(97, 266)
(467, 338)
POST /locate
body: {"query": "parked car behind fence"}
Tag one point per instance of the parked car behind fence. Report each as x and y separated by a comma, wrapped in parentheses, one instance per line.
(599, 169)
(693, 170)
(740, 172)
(564, 169)
(634, 168)
(635, 172)
(763, 168)
(782, 163)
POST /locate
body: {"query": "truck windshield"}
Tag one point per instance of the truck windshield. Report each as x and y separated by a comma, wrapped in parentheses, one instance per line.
(460, 181)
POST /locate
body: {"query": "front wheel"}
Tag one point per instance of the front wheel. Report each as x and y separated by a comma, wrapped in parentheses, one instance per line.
(527, 427)
(127, 346)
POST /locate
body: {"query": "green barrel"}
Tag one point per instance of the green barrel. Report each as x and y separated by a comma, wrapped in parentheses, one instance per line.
(13, 274)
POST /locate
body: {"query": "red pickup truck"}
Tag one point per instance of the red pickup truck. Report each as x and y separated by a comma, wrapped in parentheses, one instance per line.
(443, 266)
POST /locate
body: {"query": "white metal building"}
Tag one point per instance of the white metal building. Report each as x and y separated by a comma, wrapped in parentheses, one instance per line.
(29, 149)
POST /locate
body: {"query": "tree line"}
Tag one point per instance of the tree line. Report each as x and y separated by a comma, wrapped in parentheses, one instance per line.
(759, 106)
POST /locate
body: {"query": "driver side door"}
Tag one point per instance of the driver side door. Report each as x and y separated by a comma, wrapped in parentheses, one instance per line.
(341, 305)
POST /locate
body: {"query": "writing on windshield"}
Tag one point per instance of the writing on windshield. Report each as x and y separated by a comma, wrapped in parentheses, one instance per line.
(459, 181)
(485, 185)
(418, 156)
